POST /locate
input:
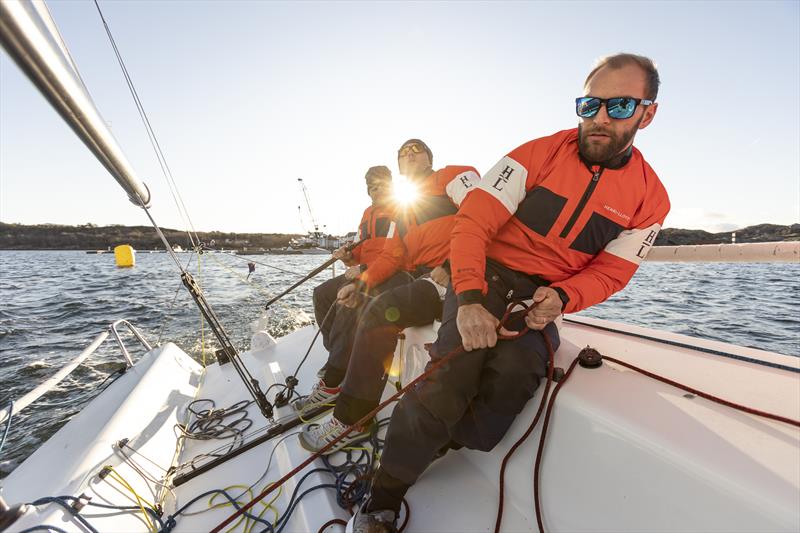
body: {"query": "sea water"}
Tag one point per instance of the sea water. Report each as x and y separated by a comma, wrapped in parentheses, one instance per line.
(52, 304)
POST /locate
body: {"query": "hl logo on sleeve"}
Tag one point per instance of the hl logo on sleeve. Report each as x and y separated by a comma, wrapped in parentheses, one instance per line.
(503, 178)
(647, 243)
(634, 244)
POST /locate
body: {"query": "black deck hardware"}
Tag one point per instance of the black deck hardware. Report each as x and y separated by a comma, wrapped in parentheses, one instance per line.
(222, 356)
(590, 358)
(250, 383)
(273, 431)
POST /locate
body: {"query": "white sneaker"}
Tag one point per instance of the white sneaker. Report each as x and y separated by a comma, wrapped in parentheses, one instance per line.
(321, 395)
(374, 522)
(317, 435)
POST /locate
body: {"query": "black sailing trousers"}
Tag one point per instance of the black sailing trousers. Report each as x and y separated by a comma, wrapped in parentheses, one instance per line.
(339, 330)
(407, 305)
(324, 309)
(470, 401)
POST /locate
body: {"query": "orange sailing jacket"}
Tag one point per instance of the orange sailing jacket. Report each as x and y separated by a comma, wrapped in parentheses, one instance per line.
(371, 235)
(542, 211)
(420, 233)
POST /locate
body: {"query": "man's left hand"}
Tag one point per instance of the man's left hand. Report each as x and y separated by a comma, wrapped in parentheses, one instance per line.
(440, 276)
(546, 308)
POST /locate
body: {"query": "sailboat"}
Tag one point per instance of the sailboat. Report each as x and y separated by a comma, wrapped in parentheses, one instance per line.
(642, 430)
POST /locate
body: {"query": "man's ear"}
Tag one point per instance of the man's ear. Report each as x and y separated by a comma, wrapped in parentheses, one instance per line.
(649, 114)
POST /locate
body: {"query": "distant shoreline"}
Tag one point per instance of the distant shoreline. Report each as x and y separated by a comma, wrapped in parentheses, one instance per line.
(88, 237)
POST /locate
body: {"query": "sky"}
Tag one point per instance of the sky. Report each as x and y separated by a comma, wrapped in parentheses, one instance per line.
(247, 97)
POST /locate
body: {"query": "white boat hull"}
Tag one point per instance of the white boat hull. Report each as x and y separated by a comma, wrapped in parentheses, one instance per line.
(623, 452)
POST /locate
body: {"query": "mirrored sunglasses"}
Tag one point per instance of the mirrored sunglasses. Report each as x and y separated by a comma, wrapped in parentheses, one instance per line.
(619, 107)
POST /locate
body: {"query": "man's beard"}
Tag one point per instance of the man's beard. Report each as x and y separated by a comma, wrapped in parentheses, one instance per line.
(594, 153)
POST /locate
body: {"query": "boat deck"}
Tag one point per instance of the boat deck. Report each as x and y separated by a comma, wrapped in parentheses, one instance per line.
(624, 452)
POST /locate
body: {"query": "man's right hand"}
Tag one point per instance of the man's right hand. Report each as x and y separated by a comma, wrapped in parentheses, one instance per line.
(342, 254)
(477, 326)
(352, 272)
(348, 295)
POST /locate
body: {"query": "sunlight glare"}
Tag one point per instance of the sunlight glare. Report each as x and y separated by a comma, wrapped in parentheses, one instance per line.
(404, 192)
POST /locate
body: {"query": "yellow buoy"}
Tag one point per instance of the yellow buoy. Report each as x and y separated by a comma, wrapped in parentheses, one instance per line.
(125, 255)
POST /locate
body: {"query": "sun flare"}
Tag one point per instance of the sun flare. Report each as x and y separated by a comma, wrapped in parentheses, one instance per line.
(404, 192)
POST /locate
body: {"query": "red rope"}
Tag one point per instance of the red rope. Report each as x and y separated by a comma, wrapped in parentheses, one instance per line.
(542, 438)
(551, 402)
(347, 431)
(500, 502)
(705, 395)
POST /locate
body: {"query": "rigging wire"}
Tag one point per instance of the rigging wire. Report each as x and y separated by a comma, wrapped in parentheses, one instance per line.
(163, 487)
(202, 322)
(162, 161)
(236, 256)
(255, 285)
(172, 305)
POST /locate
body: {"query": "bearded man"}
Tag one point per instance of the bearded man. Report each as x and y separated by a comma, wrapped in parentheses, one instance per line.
(562, 221)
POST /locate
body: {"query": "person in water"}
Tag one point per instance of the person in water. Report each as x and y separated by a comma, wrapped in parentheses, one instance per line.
(563, 221)
(419, 243)
(338, 325)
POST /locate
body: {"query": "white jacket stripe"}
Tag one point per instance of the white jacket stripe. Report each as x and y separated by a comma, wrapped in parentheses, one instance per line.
(634, 244)
(506, 182)
(462, 184)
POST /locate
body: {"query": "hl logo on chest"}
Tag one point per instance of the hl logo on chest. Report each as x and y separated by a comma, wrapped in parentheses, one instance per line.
(465, 182)
(646, 244)
(505, 175)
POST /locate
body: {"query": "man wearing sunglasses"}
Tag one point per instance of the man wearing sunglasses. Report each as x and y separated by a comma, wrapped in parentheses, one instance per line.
(418, 243)
(338, 325)
(561, 222)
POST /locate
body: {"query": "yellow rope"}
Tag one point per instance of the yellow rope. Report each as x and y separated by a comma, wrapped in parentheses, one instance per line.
(249, 524)
(140, 501)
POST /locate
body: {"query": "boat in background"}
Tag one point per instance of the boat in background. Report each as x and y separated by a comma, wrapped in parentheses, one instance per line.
(171, 445)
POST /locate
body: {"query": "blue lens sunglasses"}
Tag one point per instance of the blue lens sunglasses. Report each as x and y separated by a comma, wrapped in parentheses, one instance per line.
(620, 107)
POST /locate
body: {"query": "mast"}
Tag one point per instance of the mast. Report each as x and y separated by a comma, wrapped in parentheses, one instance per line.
(29, 35)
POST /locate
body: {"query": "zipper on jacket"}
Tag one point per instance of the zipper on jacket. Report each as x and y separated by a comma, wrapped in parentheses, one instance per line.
(585, 198)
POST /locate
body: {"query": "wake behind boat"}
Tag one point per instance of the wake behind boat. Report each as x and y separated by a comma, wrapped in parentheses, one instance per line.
(633, 435)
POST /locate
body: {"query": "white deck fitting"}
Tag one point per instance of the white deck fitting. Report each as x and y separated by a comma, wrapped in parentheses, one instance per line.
(624, 452)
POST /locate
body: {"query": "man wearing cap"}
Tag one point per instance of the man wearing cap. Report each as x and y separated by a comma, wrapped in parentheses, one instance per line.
(418, 242)
(338, 323)
(561, 221)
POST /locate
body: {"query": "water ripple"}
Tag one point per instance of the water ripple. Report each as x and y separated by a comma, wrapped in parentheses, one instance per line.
(49, 315)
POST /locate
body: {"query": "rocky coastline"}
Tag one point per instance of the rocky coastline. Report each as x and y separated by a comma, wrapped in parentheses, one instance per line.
(92, 237)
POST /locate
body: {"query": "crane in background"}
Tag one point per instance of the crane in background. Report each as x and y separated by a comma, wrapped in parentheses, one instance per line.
(316, 234)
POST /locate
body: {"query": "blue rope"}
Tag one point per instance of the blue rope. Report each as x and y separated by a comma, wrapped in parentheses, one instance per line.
(8, 423)
(63, 503)
(295, 499)
(170, 522)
